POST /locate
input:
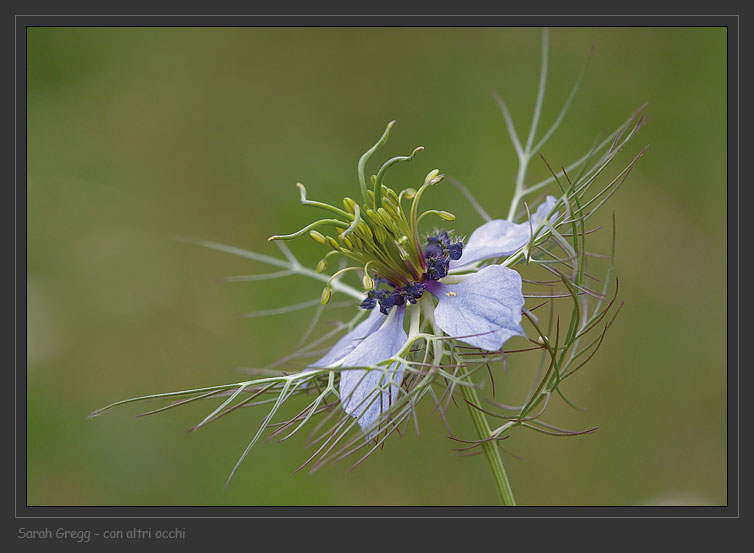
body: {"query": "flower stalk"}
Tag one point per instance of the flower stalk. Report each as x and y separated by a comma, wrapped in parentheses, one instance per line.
(488, 444)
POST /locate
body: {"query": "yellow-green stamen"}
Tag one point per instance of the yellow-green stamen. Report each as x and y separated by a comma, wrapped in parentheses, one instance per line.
(379, 234)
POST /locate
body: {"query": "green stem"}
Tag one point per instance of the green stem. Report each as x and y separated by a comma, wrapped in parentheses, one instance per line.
(490, 448)
(491, 451)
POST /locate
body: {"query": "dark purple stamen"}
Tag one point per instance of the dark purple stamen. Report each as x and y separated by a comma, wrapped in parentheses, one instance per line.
(373, 296)
(438, 254)
(369, 302)
(433, 250)
(437, 268)
(413, 291)
(398, 296)
(455, 251)
(389, 300)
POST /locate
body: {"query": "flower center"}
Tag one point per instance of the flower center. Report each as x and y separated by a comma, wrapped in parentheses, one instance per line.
(381, 235)
(384, 240)
(436, 256)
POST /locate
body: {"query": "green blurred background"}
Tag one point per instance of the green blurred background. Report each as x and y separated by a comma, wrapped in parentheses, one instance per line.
(139, 134)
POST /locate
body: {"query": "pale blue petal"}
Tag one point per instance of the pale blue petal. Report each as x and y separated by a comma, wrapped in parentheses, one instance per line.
(359, 387)
(494, 239)
(543, 211)
(484, 310)
(348, 342)
(499, 238)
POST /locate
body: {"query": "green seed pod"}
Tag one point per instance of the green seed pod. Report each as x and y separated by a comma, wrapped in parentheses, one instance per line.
(322, 265)
(446, 215)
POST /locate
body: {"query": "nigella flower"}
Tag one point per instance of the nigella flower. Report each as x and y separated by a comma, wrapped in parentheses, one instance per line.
(481, 308)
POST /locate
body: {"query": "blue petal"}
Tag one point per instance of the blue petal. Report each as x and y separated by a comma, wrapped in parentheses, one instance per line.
(492, 240)
(543, 211)
(348, 343)
(484, 310)
(500, 238)
(359, 387)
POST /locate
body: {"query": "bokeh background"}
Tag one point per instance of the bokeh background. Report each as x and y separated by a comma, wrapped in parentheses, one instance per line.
(136, 135)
